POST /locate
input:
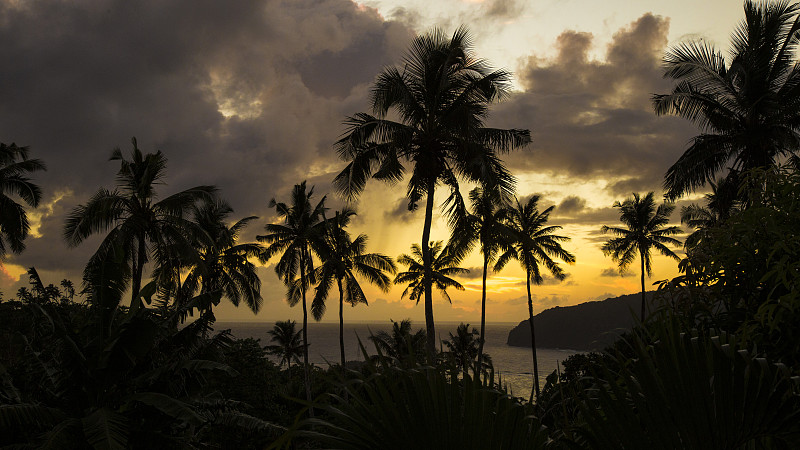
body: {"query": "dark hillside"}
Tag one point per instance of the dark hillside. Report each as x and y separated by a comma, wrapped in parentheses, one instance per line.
(587, 326)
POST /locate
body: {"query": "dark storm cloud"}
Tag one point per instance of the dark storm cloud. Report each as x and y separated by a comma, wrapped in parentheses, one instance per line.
(627, 186)
(84, 77)
(593, 118)
(571, 204)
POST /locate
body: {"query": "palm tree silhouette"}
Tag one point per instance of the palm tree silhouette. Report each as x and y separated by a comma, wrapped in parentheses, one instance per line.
(444, 265)
(287, 345)
(296, 239)
(14, 167)
(342, 260)
(141, 226)
(223, 265)
(646, 228)
(746, 110)
(534, 245)
(441, 98)
(720, 203)
(464, 349)
(485, 225)
(401, 345)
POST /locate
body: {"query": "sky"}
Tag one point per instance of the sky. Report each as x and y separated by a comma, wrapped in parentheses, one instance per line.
(250, 96)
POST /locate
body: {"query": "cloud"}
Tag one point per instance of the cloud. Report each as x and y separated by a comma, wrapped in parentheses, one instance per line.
(399, 212)
(588, 216)
(614, 272)
(593, 118)
(626, 186)
(603, 296)
(571, 204)
(540, 302)
(475, 273)
(503, 9)
(248, 96)
(548, 280)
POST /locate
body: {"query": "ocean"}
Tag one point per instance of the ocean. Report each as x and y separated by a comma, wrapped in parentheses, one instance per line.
(514, 364)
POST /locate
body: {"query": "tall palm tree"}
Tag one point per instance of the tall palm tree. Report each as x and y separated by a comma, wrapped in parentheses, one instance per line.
(223, 265)
(299, 236)
(444, 265)
(441, 98)
(534, 244)
(138, 224)
(485, 225)
(287, 345)
(747, 110)
(14, 167)
(343, 262)
(647, 228)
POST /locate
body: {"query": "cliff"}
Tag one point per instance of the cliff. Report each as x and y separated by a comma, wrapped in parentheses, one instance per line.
(587, 326)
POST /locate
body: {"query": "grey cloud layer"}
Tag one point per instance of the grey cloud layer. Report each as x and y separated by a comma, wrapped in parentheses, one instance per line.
(86, 76)
(593, 118)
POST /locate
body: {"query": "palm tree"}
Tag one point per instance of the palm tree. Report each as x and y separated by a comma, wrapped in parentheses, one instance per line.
(14, 167)
(343, 259)
(401, 345)
(485, 225)
(720, 203)
(464, 348)
(223, 264)
(646, 228)
(287, 346)
(444, 265)
(534, 245)
(441, 98)
(296, 239)
(141, 226)
(747, 110)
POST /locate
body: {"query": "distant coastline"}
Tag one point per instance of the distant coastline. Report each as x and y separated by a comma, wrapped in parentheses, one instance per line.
(583, 327)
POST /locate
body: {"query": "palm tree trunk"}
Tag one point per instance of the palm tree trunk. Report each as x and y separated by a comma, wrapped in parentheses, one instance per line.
(341, 322)
(533, 341)
(306, 368)
(430, 328)
(643, 301)
(136, 282)
(483, 319)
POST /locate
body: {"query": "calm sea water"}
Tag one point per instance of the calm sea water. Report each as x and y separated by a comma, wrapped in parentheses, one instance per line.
(513, 363)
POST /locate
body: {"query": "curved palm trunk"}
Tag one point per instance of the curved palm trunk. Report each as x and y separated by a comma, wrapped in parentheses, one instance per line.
(306, 368)
(483, 319)
(430, 328)
(136, 282)
(533, 341)
(341, 322)
(643, 301)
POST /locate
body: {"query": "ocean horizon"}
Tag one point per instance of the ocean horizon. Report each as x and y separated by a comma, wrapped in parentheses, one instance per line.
(513, 364)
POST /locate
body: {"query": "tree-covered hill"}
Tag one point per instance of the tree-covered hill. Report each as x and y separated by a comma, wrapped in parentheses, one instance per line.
(586, 326)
